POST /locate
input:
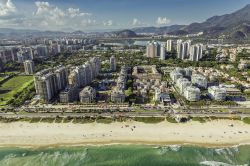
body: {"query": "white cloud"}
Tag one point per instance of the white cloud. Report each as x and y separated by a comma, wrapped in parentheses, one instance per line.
(46, 16)
(6, 7)
(76, 12)
(108, 23)
(162, 21)
(52, 16)
(88, 22)
(136, 22)
(49, 13)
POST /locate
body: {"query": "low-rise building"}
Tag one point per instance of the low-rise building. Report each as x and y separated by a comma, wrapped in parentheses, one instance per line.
(243, 65)
(118, 96)
(192, 94)
(162, 97)
(199, 80)
(146, 72)
(175, 75)
(87, 95)
(230, 89)
(69, 94)
(217, 93)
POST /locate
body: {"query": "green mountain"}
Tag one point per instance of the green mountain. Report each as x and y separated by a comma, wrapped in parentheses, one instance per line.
(235, 25)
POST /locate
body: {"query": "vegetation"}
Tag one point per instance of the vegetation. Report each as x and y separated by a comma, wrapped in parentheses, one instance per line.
(47, 120)
(149, 119)
(246, 120)
(171, 119)
(83, 120)
(200, 119)
(104, 120)
(22, 96)
(11, 89)
(108, 120)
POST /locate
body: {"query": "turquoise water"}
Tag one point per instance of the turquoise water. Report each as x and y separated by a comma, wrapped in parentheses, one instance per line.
(123, 155)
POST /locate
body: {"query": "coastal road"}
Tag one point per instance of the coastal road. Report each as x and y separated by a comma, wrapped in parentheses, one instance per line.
(117, 114)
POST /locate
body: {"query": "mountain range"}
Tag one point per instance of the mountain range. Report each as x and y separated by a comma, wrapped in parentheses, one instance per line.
(231, 26)
(235, 25)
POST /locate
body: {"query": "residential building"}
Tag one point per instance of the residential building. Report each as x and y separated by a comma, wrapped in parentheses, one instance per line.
(192, 94)
(179, 49)
(153, 49)
(46, 84)
(29, 67)
(87, 95)
(175, 75)
(217, 93)
(162, 97)
(196, 52)
(182, 84)
(163, 52)
(185, 49)
(118, 96)
(6, 55)
(169, 46)
(112, 63)
(199, 80)
(42, 51)
(55, 49)
(69, 94)
(81, 79)
(61, 76)
(146, 72)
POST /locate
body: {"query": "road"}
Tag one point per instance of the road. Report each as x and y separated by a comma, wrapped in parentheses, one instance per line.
(116, 114)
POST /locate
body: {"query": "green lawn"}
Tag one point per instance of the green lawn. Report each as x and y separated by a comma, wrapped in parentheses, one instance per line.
(12, 86)
(2, 76)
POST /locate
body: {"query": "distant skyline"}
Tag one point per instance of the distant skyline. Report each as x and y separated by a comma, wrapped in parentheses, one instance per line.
(97, 15)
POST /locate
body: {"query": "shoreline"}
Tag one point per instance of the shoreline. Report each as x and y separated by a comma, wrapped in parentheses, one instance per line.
(212, 134)
(101, 144)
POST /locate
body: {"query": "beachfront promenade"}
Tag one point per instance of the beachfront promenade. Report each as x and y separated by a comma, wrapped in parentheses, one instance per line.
(198, 113)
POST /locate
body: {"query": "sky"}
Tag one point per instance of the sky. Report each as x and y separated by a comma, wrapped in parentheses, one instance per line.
(99, 15)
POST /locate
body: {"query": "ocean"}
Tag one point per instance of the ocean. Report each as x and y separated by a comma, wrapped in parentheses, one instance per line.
(126, 155)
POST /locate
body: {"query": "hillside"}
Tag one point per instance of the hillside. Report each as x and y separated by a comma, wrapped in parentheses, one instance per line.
(158, 30)
(125, 34)
(235, 25)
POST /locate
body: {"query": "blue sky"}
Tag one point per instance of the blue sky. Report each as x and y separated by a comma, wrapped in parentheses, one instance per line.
(109, 14)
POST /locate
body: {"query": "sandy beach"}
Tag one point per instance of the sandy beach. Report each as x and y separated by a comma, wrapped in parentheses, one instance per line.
(214, 133)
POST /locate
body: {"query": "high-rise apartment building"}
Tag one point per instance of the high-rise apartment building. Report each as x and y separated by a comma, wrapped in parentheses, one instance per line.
(179, 49)
(46, 85)
(163, 52)
(112, 63)
(62, 77)
(7, 55)
(153, 49)
(196, 52)
(185, 49)
(29, 67)
(42, 51)
(169, 46)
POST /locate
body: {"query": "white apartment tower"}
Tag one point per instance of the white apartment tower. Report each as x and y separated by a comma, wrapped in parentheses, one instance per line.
(196, 52)
(163, 52)
(153, 49)
(112, 63)
(169, 45)
(179, 49)
(29, 67)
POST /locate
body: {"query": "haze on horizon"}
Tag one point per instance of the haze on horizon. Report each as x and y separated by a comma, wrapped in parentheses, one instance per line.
(98, 15)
